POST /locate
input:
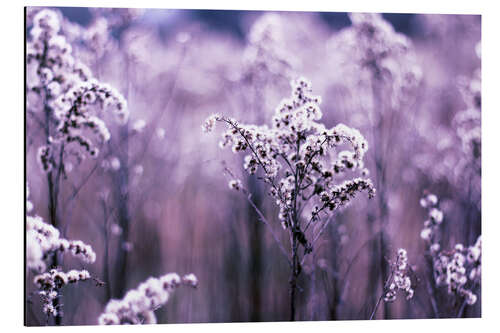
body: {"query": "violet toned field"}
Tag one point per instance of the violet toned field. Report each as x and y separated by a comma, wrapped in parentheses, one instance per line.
(187, 166)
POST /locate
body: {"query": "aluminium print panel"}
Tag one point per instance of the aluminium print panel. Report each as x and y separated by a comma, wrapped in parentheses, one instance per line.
(198, 166)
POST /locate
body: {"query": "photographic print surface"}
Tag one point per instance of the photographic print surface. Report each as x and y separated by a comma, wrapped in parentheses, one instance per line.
(198, 166)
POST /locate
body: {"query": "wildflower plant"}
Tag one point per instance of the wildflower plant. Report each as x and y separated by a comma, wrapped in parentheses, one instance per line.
(264, 57)
(263, 70)
(49, 284)
(65, 103)
(382, 58)
(311, 171)
(458, 154)
(382, 74)
(43, 241)
(400, 280)
(138, 305)
(459, 269)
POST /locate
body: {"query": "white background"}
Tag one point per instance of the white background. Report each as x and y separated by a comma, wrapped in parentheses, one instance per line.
(12, 160)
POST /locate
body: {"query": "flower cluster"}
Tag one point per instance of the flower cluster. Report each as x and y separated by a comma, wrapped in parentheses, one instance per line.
(307, 166)
(460, 269)
(76, 123)
(431, 225)
(63, 88)
(50, 282)
(264, 54)
(97, 36)
(373, 46)
(456, 154)
(44, 240)
(400, 278)
(209, 124)
(74, 114)
(44, 158)
(34, 251)
(51, 67)
(138, 305)
(235, 184)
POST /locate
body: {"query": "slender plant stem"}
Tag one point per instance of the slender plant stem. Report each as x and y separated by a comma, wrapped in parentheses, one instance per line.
(461, 310)
(264, 220)
(376, 307)
(386, 284)
(431, 288)
(293, 278)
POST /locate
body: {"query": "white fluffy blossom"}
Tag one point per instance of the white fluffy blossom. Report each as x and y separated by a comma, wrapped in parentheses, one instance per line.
(139, 125)
(75, 117)
(265, 55)
(209, 123)
(29, 204)
(375, 51)
(429, 200)
(400, 278)
(235, 184)
(49, 284)
(458, 270)
(138, 305)
(45, 239)
(435, 215)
